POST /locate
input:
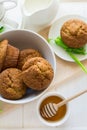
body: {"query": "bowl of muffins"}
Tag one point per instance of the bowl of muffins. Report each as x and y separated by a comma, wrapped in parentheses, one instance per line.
(27, 66)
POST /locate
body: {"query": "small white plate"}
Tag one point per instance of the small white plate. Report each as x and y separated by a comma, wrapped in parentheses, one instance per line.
(55, 32)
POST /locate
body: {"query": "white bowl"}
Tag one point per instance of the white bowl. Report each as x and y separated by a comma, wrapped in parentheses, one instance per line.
(52, 123)
(23, 39)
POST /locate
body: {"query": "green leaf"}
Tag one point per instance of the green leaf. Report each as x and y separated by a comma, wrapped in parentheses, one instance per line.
(71, 52)
(1, 29)
(77, 61)
(60, 43)
(49, 39)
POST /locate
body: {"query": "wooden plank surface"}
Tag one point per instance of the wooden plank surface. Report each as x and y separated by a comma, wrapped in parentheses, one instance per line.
(11, 115)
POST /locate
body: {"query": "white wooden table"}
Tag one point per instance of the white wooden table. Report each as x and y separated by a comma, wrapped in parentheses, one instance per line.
(24, 116)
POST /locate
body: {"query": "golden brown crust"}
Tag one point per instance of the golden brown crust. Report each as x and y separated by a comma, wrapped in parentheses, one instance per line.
(27, 54)
(37, 73)
(11, 84)
(3, 48)
(74, 33)
(11, 58)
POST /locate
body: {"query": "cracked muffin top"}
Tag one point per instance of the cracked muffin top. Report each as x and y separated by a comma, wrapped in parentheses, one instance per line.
(27, 54)
(11, 85)
(74, 33)
(37, 73)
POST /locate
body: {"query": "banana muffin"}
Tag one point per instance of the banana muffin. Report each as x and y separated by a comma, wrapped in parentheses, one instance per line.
(74, 33)
(27, 54)
(37, 73)
(3, 49)
(11, 58)
(11, 85)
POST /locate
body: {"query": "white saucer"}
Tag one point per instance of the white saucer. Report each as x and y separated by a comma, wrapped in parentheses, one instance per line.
(55, 32)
